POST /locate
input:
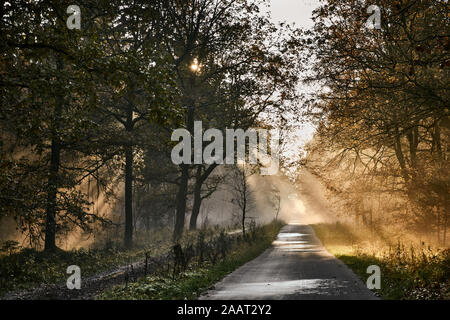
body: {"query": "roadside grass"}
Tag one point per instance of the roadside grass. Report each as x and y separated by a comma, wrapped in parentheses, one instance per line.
(25, 268)
(408, 271)
(191, 283)
(30, 268)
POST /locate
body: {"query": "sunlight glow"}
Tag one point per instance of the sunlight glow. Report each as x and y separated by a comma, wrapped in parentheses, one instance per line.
(195, 66)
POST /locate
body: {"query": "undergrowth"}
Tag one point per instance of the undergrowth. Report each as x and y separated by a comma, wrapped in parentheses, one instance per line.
(408, 270)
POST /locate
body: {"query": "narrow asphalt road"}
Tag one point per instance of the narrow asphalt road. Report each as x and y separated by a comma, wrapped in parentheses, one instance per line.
(296, 267)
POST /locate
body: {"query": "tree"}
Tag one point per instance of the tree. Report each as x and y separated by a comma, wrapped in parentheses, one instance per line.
(276, 200)
(47, 76)
(143, 92)
(87, 97)
(201, 175)
(386, 98)
(230, 60)
(242, 193)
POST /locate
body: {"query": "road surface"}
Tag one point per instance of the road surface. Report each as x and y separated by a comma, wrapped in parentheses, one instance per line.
(296, 267)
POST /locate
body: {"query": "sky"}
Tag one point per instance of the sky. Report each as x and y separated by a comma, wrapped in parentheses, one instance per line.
(300, 13)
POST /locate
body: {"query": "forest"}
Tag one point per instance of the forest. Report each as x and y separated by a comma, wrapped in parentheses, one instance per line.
(93, 92)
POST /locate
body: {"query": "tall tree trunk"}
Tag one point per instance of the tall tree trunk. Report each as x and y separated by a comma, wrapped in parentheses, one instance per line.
(199, 180)
(128, 240)
(197, 199)
(244, 205)
(413, 138)
(244, 209)
(183, 186)
(444, 240)
(181, 203)
(52, 185)
(401, 158)
(50, 224)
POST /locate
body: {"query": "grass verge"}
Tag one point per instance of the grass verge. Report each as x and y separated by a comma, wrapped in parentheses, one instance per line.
(408, 271)
(198, 277)
(28, 268)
